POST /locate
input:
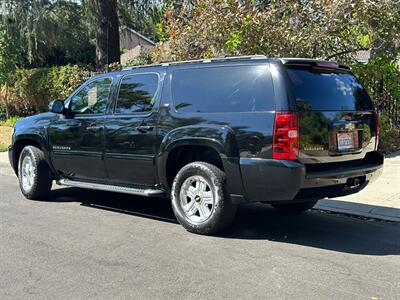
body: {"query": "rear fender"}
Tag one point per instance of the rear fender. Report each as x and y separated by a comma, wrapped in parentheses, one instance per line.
(221, 139)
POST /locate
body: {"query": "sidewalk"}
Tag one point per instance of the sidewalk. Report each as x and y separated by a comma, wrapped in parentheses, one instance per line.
(380, 200)
(4, 158)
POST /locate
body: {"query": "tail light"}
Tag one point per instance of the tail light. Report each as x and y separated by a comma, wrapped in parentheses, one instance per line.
(376, 130)
(286, 136)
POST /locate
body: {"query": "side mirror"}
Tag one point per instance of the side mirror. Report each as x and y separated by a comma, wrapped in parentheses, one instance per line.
(58, 107)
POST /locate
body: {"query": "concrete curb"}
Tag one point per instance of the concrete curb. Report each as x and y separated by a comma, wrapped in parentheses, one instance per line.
(359, 209)
(4, 158)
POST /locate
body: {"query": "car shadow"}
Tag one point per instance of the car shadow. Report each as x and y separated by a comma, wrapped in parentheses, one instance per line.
(153, 208)
(314, 228)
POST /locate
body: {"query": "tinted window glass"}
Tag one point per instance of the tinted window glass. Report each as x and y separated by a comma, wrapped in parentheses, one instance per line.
(137, 93)
(223, 89)
(92, 98)
(317, 89)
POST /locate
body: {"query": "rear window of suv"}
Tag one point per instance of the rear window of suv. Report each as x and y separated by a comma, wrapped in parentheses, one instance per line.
(325, 89)
(223, 89)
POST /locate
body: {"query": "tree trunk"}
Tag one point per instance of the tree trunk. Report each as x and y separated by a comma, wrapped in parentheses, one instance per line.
(5, 100)
(107, 33)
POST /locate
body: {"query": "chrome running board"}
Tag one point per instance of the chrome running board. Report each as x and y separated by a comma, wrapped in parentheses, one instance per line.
(111, 188)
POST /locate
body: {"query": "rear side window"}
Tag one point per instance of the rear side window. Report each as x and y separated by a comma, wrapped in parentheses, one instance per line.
(137, 94)
(324, 89)
(223, 89)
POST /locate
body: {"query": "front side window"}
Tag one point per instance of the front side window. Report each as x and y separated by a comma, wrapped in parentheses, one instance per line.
(137, 94)
(92, 98)
(246, 88)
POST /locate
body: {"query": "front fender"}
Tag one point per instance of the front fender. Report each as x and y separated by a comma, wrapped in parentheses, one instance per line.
(20, 140)
(32, 131)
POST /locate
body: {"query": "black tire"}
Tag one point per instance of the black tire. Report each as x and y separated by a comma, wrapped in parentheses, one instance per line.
(294, 208)
(223, 210)
(42, 177)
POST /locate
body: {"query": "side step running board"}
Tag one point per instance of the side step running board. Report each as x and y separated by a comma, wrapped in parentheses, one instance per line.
(111, 188)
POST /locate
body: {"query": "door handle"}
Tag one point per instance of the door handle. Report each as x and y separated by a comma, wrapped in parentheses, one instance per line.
(144, 128)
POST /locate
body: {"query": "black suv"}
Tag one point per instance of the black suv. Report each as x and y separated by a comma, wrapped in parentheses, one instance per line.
(210, 134)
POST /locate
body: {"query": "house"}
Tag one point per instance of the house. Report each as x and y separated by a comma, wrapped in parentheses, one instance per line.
(134, 44)
(362, 56)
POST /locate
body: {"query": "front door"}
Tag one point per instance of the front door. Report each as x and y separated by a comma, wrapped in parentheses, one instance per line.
(77, 139)
(130, 132)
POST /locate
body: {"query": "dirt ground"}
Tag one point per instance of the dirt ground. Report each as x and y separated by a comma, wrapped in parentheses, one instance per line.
(5, 137)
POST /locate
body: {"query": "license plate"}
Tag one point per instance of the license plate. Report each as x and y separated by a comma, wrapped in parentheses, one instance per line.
(345, 141)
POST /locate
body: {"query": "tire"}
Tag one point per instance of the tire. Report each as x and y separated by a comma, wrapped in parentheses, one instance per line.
(192, 189)
(294, 208)
(35, 178)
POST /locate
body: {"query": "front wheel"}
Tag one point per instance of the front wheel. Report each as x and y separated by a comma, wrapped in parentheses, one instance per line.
(294, 208)
(34, 175)
(200, 200)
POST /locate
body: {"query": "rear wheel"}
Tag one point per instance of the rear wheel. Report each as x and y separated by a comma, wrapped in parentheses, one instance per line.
(200, 200)
(34, 175)
(294, 208)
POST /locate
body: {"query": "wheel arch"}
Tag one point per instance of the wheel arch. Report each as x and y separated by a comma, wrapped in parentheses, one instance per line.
(220, 149)
(28, 140)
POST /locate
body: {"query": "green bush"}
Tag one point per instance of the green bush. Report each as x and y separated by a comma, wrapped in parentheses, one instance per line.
(31, 90)
(143, 59)
(10, 122)
(3, 147)
(389, 135)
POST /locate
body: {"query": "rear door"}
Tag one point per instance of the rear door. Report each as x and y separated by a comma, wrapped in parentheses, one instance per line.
(336, 115)
(130, 132)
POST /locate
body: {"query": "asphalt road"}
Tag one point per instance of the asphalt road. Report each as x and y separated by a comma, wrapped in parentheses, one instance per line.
(87, 244)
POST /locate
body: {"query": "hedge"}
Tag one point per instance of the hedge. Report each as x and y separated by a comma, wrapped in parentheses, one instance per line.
(31, 90)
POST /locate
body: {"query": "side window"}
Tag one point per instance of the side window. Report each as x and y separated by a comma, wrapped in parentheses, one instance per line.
(92, 98)
(137, 94)
(223, 89)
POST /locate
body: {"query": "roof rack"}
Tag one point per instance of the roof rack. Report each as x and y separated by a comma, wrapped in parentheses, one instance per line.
(205, 60)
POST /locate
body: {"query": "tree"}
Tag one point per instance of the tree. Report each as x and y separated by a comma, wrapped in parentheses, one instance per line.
(8, 60)
(107, 32)
(316, 28)
(42, 31)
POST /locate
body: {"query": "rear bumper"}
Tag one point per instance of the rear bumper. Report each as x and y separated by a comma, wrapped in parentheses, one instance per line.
(338, 183)
(272, 181)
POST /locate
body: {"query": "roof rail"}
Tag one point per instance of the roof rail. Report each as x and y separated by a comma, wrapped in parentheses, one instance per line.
(141, 66)
(205, 60)
(215, 59)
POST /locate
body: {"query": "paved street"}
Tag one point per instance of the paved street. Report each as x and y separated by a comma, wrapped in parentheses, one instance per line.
(87, 244)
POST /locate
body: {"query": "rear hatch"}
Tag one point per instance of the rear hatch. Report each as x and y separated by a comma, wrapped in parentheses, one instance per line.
(336, 115)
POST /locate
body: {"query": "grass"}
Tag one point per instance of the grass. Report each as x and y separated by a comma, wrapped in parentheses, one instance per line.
(10, 122)
(5, 137)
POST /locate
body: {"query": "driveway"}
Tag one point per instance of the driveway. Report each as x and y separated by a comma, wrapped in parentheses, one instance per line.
(385, 191)
(86, 244)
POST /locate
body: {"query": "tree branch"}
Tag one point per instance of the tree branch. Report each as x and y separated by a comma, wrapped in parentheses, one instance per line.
(345, 52)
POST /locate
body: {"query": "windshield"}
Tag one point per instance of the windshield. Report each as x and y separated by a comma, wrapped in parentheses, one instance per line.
(325, 89)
